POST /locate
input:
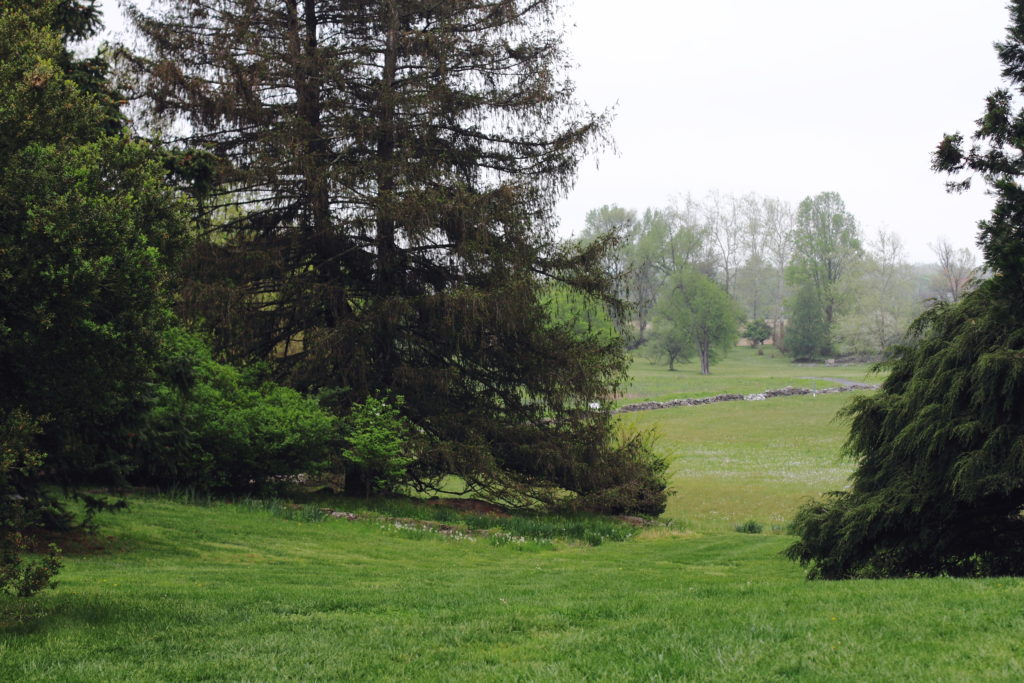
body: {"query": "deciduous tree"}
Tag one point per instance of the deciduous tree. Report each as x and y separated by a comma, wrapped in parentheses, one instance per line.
(956, 268)
(826, 241)
(695, 309)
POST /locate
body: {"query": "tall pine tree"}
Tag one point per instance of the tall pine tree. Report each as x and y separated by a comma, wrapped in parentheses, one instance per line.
(939, 482)
(383, 218)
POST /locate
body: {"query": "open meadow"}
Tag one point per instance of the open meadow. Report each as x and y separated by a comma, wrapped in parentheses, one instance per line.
(223, 591)
(746, 460)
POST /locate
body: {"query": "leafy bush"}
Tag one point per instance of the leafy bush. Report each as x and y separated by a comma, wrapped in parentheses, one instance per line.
(750, 527)
(20, 503)
(215, 426)
(377, 437)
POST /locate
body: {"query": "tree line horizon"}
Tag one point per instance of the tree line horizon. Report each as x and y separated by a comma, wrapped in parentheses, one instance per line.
(810, 269)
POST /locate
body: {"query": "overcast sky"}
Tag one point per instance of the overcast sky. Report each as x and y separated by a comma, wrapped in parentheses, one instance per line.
(788, 98)
(785, 98)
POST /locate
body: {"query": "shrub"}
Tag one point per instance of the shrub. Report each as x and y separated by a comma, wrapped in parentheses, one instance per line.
(20, 503)
(215, 426)
(377, 437)
(750, 527)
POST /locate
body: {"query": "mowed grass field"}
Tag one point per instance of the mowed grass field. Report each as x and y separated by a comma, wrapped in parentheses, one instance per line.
(741, 372)
(228, 592)
(746, 460)
(749, 460)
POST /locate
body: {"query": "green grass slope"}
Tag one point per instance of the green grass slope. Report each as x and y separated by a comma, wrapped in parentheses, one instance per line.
(235, 592)
(224, 593)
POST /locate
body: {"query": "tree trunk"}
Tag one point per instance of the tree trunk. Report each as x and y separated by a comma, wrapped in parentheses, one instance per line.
(389, 264)
(705, 358)
(357, 484)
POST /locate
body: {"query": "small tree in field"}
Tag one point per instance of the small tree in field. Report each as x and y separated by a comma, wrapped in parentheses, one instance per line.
(696, 310)
(669, 340)
(757, 331)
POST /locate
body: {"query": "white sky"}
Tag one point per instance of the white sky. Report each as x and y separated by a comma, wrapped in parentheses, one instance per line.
(786, 98)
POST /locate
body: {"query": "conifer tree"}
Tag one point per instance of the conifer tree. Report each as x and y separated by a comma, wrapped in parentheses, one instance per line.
(807, 334)
(383, 219)
(939, 482)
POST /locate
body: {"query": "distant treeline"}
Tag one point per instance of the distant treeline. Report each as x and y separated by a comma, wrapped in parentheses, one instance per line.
(823, 287)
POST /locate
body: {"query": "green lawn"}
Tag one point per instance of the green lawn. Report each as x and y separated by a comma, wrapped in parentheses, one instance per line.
(233, 592)
(736, 461)
(742, 371)
(223, 593)
(731, 462)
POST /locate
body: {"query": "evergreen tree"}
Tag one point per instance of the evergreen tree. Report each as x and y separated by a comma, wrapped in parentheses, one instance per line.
(939, 482)
(384, 220)
(807, 334)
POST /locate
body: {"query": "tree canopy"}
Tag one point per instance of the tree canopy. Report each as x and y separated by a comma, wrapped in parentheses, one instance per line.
(694, 315)
(381, 218)
(87, 228)
(826, 242)
(939, 482)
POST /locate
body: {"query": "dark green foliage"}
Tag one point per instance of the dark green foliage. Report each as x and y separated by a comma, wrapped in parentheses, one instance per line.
(751, 526)
(629, 480)
(21, 508)
(215, 427)
(940, 479)
(383, 219)
(86, 226)
(807, 333)
(939, 484)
